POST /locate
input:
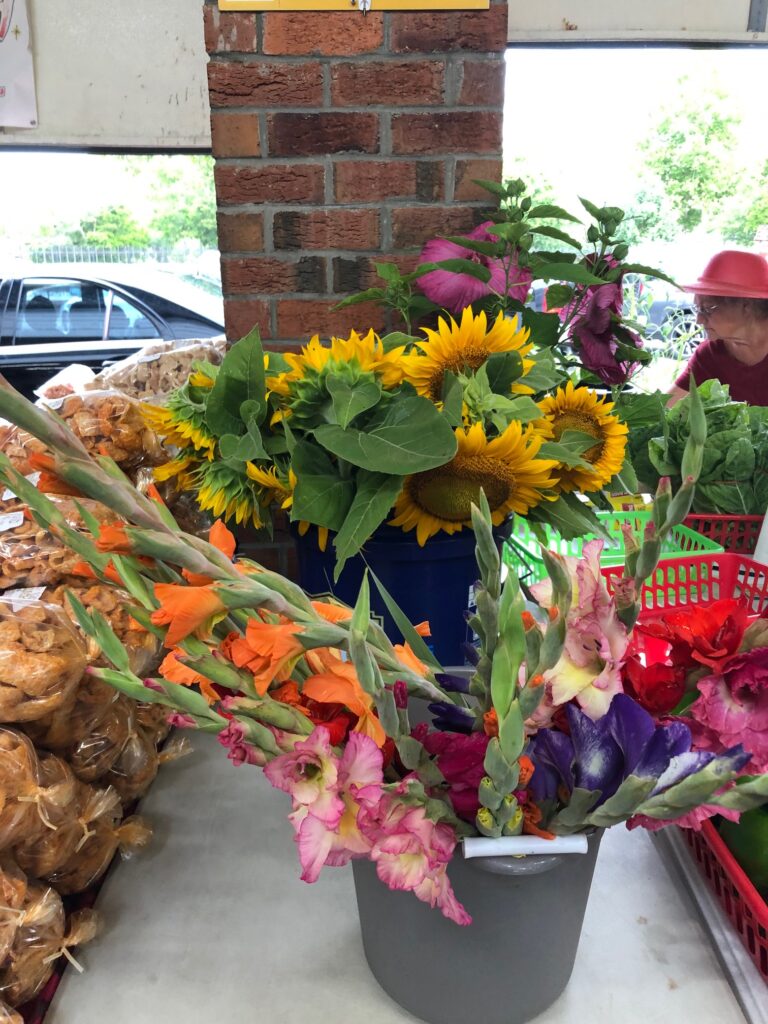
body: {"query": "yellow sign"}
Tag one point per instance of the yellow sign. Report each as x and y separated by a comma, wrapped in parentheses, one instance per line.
(353, 5)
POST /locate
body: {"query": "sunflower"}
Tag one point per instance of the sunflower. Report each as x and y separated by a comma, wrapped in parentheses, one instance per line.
(463, 347)
(315, 359)
(182, 467)
(582, 410)
(506, 468)
(279, 489)
(227, 493)
(180, 423)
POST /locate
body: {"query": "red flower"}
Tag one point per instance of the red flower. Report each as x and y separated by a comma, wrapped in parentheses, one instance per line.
(699, 635)
(658, 688)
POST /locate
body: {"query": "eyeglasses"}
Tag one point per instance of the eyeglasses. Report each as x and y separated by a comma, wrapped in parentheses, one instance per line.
(706, 311)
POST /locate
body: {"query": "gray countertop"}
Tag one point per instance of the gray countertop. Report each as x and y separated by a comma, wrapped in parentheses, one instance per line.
(212, 925)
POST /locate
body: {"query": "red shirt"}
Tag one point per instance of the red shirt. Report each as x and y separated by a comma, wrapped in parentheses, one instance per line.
(711, 361)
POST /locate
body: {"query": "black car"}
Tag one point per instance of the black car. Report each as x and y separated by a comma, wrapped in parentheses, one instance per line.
(48, 321)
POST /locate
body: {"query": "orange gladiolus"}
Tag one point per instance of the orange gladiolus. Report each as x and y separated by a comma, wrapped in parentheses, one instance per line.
(154, 494)
(288, 693)
(339, 685)
(332, 612)
(109, 572)
(491, 723)
(186, 610)
(268, 650)
(406, 657)
(531, 819)
(114, 539)
(221, 538)
(174, 671)
(526, 771)
(423, 629)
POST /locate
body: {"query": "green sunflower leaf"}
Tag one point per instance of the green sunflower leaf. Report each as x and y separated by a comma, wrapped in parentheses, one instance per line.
(351, 399)
(321, 496)
(410, 436)
(503, 368)
(240, 379)
(374, 496)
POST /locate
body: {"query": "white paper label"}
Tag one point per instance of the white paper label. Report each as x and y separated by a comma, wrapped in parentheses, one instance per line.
(22, 596)
(8, 493)
(10, 520)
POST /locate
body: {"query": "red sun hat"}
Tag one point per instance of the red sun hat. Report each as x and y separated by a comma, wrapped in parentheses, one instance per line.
(735, 274)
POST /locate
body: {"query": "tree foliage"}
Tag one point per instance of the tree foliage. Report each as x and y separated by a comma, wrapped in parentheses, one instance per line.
(112, 228)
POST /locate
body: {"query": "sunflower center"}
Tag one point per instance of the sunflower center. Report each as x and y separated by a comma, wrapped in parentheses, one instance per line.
(450, 491)
(585, 424)
(471, 359)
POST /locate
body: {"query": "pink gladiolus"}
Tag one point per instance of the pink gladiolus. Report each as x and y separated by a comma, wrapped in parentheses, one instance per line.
(310, 775)
(460, 759)
(693, 819)
(239, 750)
(456, 291)
(733, 708)
(179, 721)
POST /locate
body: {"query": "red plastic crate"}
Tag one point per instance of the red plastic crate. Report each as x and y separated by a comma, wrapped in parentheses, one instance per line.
(734, 533)
(745, 907)
(702, 579)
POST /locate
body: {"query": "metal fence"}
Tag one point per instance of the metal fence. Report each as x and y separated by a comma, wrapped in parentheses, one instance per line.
(97, 254)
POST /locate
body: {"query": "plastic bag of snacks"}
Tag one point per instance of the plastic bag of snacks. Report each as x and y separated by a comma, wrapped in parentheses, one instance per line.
(75, 720)
(135, 770)
(42, 659)
(30, 556)
(13, 890)
(93, 858)
(37, 794)
(153, 718)
(182, 504)
(45, 848)
(93, 756)
(159, 368)
(47, 854)
(19, 447)
(109, 423)
(8, 1015)
(40, 940)
(143, 648)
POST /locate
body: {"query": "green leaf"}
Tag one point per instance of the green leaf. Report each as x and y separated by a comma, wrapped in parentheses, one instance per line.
(404, 624)
(563, 453)
(240, 379)
(453, 399)
(591, 209)
(395, 339)
(625, 481)
(572, 817)
(574, 272)
(374, 496)
(468, 267)
(509, 232)
(369, 295)
(544, 327)
(561, 236)
(569, 517)
(639, 268)
(494, 187)
(475, 245)
(503, 369)
(349, 400)
(388, 272)
(555, 212)
(544, 375)
(242, 449)
(410, 436)
(321, 496)
(521, 408)
(558, 295)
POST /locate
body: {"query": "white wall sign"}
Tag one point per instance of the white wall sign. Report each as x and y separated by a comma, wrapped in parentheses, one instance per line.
(18, 107)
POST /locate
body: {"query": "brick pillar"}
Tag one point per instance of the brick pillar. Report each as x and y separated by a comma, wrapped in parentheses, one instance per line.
(341, 140)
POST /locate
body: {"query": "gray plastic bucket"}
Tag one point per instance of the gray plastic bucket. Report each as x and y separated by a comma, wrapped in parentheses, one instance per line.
(508, 966)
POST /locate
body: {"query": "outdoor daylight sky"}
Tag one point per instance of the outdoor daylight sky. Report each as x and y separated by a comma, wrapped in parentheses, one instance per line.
(573, 115)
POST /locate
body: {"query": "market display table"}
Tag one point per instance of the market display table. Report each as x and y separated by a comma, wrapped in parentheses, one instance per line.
(212, 925)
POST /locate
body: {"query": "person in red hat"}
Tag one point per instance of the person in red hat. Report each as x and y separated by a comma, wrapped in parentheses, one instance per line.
(731, 301)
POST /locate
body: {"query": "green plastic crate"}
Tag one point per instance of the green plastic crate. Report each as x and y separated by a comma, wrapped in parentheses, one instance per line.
(522, 552)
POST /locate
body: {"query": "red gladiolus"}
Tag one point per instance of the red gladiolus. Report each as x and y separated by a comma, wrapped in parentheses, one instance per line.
(658, 688)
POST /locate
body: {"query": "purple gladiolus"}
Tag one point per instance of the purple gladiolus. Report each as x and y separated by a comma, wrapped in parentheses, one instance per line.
(454, 292)
(453, 683)
(449, 718)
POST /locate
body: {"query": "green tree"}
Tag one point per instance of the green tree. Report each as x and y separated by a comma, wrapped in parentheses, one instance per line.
(750, 211)
(689, 160)
(184, 201)
(112, 228)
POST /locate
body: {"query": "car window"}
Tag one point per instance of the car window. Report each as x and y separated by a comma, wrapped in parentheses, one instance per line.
(50, 310)
(128, 321)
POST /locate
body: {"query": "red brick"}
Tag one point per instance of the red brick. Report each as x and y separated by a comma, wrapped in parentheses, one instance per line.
(443, 32)
(371, 181)
(227, 32)
(265, 84)
(326, 229)
(414, 226)
(299, 319)
(269, 183)
(482, 84)
(242, 315)
(240, 232)
(235, 135)
(270, 276)
(328, 34)
(392, 83)
(469, 170)
(319, 134)
(477, 131)
(356, 273)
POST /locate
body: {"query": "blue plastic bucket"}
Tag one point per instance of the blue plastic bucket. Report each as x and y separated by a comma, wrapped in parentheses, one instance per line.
(433, 582)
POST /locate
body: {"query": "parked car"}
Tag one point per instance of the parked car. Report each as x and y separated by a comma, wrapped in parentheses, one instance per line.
(51, 317)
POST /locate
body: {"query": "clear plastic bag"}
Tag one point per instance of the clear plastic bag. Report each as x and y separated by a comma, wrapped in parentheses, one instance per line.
(158, 369)
(109, 423)
(143, 648)
(77, 719)
(13, 890)
(153, 718)
(42, 937)
(42, 659)
(182, 504)
(135, 769)
(8, 1015)
(95, 855)
(93, 756)
(29, 555)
